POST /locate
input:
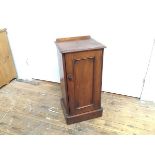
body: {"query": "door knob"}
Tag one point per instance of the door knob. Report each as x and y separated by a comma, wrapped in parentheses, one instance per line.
(69, 77)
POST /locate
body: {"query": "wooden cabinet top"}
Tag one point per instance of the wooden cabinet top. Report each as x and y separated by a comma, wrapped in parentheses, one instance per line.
(75, 44)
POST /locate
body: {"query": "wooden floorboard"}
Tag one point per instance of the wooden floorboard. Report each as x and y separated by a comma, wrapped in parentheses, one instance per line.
(33, 108)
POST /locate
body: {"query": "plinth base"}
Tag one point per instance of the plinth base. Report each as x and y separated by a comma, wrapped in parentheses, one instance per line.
(70, 119)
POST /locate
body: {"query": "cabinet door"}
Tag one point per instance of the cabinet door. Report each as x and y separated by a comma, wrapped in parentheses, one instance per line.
(84, 75)
(7, 68)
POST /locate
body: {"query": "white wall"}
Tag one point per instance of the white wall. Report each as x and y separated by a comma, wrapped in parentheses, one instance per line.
(127, 28)
(149, 86)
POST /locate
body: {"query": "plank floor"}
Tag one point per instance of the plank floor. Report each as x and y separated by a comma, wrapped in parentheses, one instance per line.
(34, 109)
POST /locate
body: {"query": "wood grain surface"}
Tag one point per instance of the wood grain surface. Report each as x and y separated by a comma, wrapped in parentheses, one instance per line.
(75, 44)
(7, 67)
(33, 108)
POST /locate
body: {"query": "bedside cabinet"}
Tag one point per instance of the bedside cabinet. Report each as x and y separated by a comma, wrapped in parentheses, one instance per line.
(80, 62)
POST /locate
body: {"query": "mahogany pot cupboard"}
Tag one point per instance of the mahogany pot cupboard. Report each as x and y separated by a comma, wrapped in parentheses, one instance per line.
(80, 63)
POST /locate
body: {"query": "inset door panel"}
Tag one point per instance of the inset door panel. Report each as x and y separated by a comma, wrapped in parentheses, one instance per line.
(84, 79)
(84, 76)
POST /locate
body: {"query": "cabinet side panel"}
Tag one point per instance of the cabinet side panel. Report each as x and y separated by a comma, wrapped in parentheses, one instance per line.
(62, 71)
(98, 78)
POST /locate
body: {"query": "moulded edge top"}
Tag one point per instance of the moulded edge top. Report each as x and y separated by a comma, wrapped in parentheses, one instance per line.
(79, 43)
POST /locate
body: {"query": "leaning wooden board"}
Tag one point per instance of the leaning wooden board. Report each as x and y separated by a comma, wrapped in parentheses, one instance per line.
(7, 67)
